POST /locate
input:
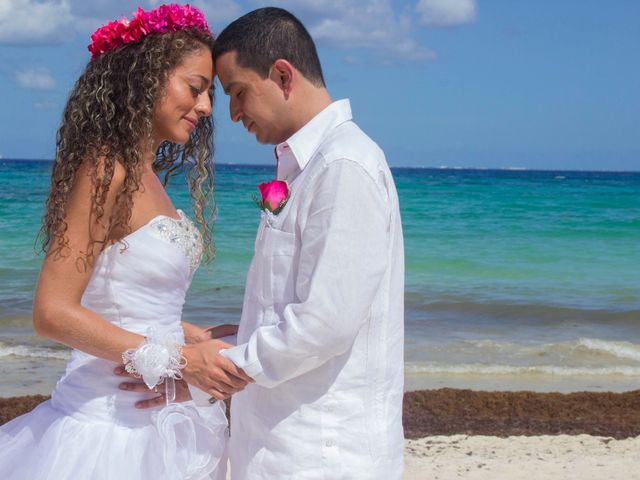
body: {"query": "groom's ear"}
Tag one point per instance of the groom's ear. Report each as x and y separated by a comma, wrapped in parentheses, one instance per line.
(282, 73)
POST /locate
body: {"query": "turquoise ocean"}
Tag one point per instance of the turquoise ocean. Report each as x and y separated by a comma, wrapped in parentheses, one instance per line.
(515, 279)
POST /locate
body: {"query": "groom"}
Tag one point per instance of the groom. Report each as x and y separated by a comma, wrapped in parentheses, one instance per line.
(321, 335)
(321, 332)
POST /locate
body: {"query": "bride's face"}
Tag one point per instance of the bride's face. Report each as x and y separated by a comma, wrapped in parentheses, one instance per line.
(185, 99)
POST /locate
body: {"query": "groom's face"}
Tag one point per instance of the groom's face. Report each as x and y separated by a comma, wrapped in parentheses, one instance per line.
(258, 102)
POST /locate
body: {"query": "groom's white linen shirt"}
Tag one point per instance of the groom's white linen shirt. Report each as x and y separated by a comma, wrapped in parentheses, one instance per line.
(322, 323)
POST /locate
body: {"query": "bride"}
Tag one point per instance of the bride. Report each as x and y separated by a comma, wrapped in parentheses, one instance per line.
(119, 259)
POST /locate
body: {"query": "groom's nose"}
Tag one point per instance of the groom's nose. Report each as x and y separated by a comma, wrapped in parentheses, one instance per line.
(234, 111)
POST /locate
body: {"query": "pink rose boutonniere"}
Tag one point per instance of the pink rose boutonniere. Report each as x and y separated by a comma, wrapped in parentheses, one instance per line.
(274, 196)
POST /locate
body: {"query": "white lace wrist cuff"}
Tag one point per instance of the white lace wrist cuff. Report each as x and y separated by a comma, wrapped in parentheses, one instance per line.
(157, 358)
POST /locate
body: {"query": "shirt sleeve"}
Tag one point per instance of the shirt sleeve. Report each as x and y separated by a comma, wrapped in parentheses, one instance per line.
(343, 258)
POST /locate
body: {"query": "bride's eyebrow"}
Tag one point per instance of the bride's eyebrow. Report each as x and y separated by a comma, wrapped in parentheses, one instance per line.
(206, 82)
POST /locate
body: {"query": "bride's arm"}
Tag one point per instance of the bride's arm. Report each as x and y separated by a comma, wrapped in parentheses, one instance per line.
(195, 334)
(57, 312)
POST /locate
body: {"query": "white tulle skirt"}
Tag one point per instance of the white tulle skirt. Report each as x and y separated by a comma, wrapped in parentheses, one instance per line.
(81, 433)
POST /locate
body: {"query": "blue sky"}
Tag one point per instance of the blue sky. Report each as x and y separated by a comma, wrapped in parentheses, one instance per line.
(460, 83)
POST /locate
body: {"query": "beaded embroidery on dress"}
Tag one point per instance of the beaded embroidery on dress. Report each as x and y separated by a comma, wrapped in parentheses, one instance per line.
(182, 233)
(90, 428)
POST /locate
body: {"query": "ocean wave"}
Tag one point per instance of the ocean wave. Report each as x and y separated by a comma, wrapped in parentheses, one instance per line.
(582, 349)
(484, 369)
(625, 350)
(34, 352)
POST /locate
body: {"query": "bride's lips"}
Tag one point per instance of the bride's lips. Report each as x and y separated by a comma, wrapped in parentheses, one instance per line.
(191, 122)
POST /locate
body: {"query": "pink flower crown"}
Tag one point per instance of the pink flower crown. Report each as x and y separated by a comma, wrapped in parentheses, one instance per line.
(165, 18)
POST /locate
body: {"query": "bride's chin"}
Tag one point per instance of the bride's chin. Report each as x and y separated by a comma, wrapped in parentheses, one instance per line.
(180, 140)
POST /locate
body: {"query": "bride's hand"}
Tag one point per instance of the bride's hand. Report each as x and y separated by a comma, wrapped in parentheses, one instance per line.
(135, 385)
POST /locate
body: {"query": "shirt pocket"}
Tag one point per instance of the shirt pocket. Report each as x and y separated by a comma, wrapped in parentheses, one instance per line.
(278, 253)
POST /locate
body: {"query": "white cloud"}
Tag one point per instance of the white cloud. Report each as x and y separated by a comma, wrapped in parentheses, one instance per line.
(35, 79)
(33, 22)
(366, 24)
(37, 22)
(446, 13)
(382, 27)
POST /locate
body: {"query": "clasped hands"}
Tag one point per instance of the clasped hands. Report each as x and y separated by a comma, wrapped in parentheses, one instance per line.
(206, 369)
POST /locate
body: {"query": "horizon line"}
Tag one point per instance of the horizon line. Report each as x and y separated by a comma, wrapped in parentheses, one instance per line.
(407, 167)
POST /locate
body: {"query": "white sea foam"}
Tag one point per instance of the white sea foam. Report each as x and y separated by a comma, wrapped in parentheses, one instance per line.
(593, 351)
(626, 350)
(493, 369)
(33, 352)
(580, 357)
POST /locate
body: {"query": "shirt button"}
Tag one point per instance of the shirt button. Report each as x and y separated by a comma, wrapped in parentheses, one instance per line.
(329, 409)
(329, 443)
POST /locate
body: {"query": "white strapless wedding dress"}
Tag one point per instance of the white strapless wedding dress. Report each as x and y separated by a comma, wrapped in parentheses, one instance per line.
(90, 429)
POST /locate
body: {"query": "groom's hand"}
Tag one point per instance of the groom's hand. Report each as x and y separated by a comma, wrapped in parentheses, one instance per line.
(211, 372)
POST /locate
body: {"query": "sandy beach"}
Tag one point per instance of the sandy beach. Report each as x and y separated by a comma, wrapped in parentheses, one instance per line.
(453, 433)
(557, 457)
(468, 434)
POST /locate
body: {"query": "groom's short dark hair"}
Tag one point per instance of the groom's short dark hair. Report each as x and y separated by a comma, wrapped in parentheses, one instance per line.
(262, 36)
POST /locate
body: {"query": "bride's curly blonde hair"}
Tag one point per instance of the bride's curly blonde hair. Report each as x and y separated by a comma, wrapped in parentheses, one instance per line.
(108, 117)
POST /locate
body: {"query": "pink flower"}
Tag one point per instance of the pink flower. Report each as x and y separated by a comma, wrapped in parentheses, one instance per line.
(165, 18)
(136, 28)
(158, 19)
(108, 37)
(274, 195)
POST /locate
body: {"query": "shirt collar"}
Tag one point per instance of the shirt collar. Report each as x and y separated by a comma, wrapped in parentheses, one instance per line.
(297, 150)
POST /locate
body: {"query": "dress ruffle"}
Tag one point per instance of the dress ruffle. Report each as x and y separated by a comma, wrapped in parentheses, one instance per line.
(182, 442)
